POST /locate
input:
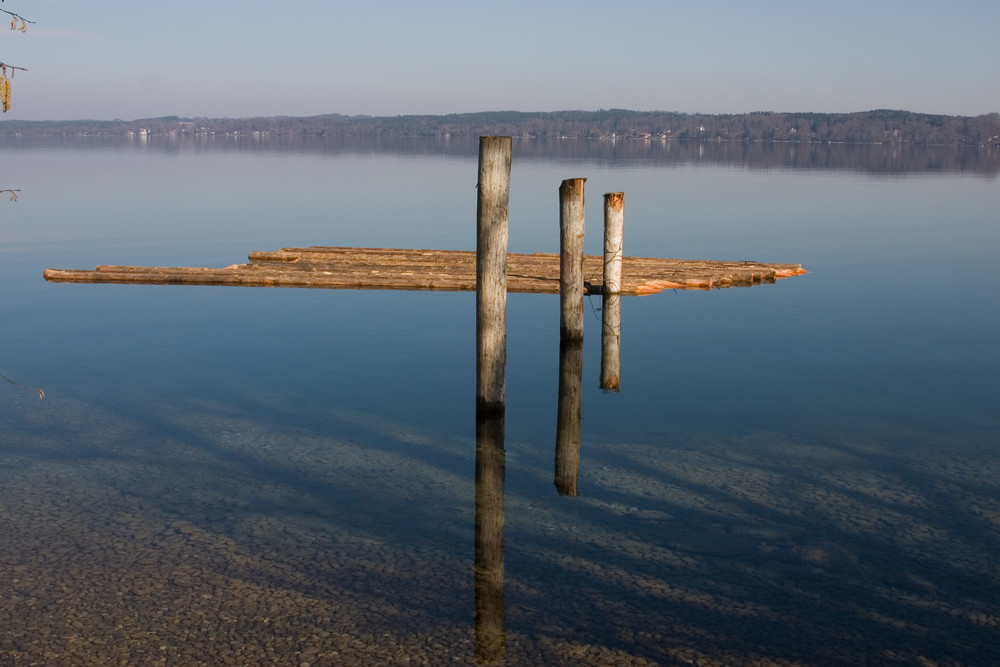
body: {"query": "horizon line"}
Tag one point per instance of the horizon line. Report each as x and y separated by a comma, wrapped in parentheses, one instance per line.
(494, 111)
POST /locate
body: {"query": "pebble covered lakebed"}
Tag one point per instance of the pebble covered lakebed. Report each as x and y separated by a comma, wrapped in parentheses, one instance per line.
(224, 541)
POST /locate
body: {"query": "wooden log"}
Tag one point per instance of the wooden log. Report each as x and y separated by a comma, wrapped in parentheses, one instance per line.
(491, 272)
(262, 278)
(571, 273)
(614, 222)
(451, 270)
(327, 254)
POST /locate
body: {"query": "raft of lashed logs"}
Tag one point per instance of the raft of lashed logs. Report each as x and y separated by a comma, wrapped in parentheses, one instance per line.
(445, 270)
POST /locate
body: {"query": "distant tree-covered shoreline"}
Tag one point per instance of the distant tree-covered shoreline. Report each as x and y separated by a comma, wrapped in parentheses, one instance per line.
(881, 126)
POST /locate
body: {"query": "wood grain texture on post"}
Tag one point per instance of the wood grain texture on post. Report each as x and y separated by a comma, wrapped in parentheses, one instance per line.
(491, 272)
(571, 228)
(614, 223)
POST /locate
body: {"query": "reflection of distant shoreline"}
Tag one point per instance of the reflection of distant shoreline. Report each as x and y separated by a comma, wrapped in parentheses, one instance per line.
(874, 159)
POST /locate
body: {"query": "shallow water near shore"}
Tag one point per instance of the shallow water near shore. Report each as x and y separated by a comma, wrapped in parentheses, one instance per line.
(803, 473)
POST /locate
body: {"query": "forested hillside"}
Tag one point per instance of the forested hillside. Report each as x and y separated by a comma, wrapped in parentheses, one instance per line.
(880, 126)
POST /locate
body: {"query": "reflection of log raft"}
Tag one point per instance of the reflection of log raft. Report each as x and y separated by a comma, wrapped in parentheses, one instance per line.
(448, 270)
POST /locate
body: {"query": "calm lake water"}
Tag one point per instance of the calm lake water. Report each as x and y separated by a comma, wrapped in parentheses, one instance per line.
(805, 473)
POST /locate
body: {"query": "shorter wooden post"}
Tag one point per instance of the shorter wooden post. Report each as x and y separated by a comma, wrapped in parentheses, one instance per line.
(571, 228)
(614, 222)
(491, 272)
(611, 302)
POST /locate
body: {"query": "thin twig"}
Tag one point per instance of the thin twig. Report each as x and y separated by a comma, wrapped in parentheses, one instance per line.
(17, 16)
(41, 394)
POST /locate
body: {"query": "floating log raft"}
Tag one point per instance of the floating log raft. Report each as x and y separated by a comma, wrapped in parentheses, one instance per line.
(445, 270)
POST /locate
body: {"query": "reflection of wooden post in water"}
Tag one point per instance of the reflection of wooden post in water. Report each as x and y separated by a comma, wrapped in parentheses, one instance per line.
(611, 336)
(611, 308)
(488, 571)
(568, 415)
(571, 258)
(491, 271)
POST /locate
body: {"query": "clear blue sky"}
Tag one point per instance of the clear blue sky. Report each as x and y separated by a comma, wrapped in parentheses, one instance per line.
(139, 59)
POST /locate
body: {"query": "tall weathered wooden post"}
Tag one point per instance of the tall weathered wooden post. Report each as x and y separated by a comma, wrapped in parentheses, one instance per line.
(491, 272)
(571, 228)
(611, 303)
(491, 358)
